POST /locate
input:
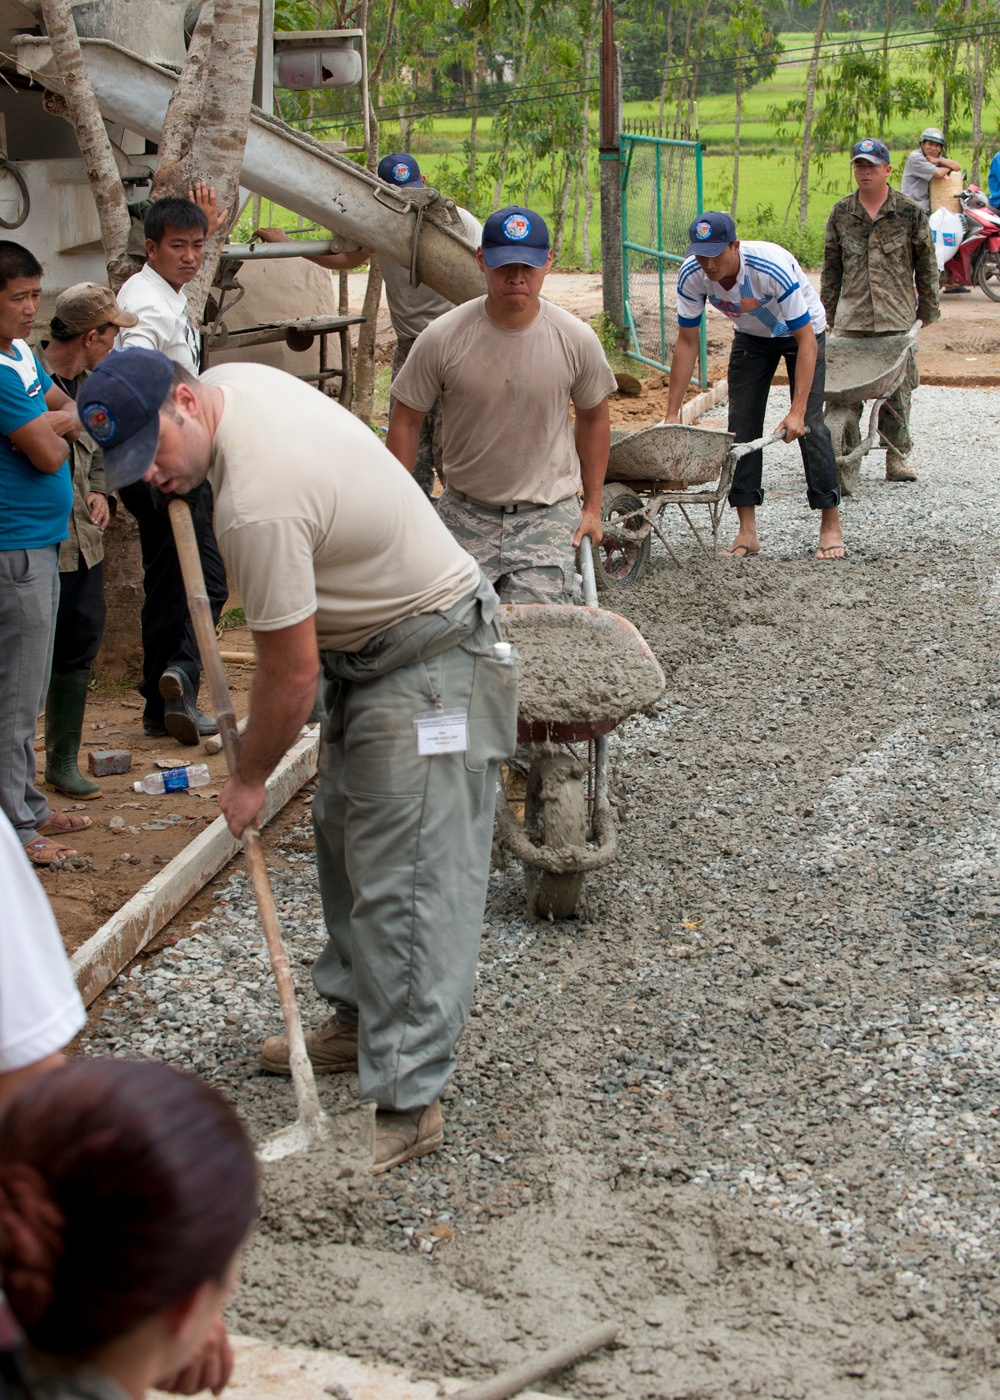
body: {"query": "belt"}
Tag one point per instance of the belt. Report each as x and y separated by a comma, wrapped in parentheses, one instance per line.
(517, 509)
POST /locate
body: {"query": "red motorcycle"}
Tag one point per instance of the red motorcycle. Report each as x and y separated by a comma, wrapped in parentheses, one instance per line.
(976, 263)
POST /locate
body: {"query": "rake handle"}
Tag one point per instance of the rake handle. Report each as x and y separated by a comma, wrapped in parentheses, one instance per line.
(215, 673)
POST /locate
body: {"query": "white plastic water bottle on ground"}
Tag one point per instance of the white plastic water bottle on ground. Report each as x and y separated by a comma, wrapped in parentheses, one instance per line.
(174, 779)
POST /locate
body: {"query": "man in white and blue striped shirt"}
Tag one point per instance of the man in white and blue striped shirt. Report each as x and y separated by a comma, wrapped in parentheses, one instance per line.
(776, 316)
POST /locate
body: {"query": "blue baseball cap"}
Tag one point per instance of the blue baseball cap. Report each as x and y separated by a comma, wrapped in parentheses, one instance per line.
(875, 152)
(119, 405)
(710, 233)
(399, 169)
(515, 235)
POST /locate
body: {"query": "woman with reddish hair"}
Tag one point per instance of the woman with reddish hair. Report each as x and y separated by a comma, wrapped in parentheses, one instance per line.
(126, 1192)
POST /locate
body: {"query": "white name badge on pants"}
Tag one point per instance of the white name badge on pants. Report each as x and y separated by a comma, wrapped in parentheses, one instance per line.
(442, 731)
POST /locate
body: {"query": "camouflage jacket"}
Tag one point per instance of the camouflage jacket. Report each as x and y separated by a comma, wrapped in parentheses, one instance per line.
(879, 274)
(85, 538)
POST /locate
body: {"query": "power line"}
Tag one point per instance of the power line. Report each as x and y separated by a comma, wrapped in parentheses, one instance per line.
(423, 109)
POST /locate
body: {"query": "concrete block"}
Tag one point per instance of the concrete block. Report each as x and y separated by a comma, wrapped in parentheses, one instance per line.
(105, 762)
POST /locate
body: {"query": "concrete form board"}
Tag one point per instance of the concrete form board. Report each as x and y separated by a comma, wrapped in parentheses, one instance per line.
(266, 1371)
(99, 961)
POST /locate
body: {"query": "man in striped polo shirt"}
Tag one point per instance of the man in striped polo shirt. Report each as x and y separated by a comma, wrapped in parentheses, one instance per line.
(776, 316)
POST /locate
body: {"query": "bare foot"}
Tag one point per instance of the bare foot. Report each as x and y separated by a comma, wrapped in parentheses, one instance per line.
(742, 548)
(831, 549)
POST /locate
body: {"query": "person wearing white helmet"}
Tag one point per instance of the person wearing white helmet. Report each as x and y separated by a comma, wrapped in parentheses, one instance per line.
(928, 162)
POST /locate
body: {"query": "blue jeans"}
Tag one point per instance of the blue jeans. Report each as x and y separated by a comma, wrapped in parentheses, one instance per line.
(752, 362)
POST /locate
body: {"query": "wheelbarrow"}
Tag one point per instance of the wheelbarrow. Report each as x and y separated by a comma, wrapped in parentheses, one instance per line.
(671, 464)
(869, 367)
(582, 671)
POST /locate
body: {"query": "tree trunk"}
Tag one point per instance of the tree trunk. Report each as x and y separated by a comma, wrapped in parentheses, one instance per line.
(474, 123)
(92, 136)
(364, 356)
(667, 61)
(216, 138)
(884, 101)
(522, 60)
(736, 141)
(977, 94)
(807, 120)
(183, 113)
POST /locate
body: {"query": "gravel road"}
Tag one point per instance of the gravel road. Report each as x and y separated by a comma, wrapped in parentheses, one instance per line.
(747, 1104)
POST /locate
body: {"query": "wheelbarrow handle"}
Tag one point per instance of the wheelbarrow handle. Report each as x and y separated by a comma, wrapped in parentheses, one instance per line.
(742, 449)
(587, 570)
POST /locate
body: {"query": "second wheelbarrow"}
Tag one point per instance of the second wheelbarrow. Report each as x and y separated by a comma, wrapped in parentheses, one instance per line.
(669, 464)
(859, 369)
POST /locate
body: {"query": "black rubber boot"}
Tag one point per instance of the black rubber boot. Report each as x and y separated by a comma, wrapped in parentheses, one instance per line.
(64, 706)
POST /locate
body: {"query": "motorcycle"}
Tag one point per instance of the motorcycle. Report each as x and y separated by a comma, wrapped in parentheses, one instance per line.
(976, 261)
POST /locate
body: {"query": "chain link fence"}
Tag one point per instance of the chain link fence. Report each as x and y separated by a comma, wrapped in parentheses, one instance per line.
(661, 194)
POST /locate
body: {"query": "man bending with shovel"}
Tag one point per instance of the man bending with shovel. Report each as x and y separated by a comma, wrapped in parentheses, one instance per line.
(342, 565)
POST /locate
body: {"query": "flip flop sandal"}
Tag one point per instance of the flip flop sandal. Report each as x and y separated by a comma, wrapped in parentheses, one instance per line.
(42, 851)
(60, 823)
(825, 557)
(748, 553)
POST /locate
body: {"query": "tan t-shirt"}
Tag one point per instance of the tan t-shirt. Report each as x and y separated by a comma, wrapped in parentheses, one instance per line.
(313, 515)
(413, 308)
(505, 397)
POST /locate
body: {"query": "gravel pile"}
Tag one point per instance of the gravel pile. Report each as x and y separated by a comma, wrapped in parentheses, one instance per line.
(747, 1104)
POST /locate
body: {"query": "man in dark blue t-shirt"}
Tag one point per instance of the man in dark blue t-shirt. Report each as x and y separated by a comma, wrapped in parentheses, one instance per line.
(37, 423)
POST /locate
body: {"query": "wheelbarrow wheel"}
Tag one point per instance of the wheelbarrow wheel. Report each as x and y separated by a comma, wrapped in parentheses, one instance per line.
(617, 565)
(988, 273)
(555, 815)
(845, 430)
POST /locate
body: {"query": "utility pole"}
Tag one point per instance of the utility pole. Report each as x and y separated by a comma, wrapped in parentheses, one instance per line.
(610, 164)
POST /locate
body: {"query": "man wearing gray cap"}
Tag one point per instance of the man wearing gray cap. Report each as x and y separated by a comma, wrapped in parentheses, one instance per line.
(411, 308)
(879, 276)
(82, 332)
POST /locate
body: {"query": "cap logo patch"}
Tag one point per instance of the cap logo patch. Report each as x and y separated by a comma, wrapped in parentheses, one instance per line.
(516, 227)
(703, 230)
(100, 422)
(401, 172)
(866, 145)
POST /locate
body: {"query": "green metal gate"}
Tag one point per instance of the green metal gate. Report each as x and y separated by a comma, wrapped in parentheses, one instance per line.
(661, 194)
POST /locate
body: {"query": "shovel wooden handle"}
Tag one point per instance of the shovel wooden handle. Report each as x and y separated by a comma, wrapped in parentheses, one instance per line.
(215, 673)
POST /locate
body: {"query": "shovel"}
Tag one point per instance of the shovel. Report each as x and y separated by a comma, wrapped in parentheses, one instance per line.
(313, 1127)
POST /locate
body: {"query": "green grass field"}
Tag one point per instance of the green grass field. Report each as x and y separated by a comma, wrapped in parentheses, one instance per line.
(768, 164)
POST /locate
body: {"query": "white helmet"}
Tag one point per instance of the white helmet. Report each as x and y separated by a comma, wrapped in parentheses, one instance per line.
(932, 133)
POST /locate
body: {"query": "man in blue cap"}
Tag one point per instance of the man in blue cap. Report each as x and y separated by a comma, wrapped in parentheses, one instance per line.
(411, 308)
(776, 316)
(879, 276)
(342, 565)
(507, 367)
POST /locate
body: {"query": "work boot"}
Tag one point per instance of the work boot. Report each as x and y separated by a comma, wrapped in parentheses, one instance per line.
(897, 468)
(331, 1047)
(402, 1136)
(64, 707)
(181, 715)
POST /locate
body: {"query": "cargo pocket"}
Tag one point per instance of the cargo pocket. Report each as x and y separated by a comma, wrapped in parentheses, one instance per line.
(334, 695)
(492, 712)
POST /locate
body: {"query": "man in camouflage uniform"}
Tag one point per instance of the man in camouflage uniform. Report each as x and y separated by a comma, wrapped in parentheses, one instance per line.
(879, 276)
(507, 366)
